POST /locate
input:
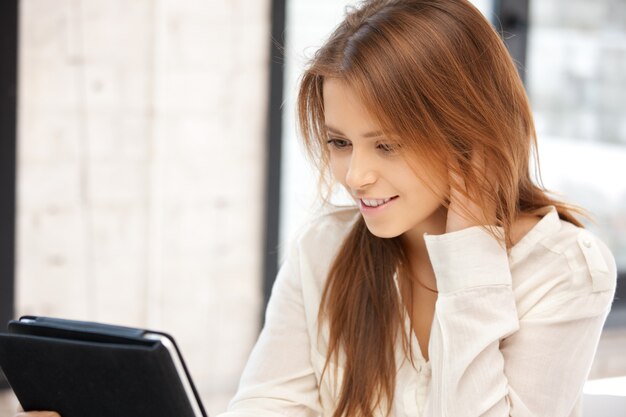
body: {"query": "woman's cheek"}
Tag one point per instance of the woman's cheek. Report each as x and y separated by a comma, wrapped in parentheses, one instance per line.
(338, 168)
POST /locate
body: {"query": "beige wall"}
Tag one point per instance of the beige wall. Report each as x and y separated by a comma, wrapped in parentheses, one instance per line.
(141, 166)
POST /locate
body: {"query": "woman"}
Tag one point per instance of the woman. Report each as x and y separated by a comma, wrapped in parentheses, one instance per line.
(458, 287)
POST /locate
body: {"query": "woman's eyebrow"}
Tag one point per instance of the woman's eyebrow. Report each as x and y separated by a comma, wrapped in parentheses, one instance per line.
(374, 134)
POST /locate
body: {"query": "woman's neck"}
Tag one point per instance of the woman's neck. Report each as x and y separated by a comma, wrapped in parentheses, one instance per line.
(415, 247)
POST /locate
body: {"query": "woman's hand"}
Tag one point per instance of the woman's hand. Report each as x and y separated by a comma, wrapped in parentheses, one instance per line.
(22, 413)
(456, 219)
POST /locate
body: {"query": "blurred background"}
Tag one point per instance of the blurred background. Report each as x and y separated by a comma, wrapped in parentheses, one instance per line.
(152, 176)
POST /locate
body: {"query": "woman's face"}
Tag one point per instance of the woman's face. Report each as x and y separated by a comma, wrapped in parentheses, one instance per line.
(391, 197)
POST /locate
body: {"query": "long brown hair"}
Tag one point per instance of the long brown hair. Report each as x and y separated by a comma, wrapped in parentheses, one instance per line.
(439, 80)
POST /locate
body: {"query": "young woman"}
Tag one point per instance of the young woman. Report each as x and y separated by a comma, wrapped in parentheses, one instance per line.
(457, 287)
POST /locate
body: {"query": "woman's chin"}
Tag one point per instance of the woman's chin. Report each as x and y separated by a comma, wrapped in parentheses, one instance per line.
(383, 232)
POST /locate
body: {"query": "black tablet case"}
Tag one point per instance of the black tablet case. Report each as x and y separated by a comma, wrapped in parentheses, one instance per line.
(82, 369)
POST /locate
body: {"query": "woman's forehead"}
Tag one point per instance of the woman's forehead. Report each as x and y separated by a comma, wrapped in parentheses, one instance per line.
(345, 112)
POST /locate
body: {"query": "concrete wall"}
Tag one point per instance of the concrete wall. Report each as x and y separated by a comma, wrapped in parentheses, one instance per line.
(141, 171)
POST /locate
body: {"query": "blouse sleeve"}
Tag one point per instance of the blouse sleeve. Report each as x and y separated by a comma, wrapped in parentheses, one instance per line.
(278, 379)
(488, 361)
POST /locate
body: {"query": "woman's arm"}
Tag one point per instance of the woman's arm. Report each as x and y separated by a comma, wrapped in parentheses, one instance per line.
(278, 379)
(488, 361)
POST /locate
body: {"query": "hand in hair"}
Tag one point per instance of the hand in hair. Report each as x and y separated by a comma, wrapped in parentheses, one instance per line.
(464, 211)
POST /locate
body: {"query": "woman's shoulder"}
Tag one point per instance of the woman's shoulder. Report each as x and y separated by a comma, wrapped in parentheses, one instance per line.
(562, 261)
(585, 250)
(329, 227)
(553, 235)
(318, 240)
(593, 255)
(321, 235)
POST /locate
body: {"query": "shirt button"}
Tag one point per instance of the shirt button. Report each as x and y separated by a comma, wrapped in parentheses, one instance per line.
(587, 243)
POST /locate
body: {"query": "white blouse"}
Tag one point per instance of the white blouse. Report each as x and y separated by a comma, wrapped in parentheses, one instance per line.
(512, 335)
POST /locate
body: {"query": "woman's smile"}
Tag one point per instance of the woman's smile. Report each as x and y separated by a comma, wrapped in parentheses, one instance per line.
(375, 205)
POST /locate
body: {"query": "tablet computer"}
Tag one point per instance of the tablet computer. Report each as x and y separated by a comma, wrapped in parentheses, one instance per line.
(80, 368)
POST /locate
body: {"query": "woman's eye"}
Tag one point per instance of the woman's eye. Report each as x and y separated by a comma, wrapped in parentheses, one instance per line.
(388, 147)
(338, 143)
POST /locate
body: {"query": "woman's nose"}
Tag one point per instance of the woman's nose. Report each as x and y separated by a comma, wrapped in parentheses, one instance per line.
(361, 172)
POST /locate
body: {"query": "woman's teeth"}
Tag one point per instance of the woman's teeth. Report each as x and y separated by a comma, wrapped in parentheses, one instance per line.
(375, 203)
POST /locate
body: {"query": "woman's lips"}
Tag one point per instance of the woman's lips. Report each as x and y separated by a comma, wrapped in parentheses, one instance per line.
(371, 209)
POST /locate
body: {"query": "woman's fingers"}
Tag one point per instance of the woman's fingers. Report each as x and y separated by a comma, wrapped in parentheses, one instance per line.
(463, 210)
(38, 414)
